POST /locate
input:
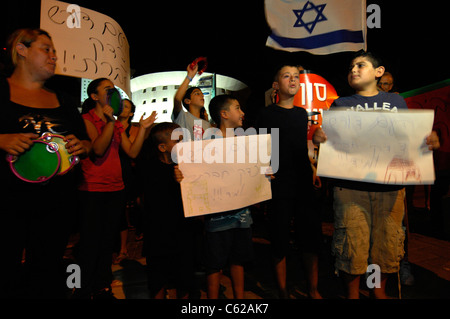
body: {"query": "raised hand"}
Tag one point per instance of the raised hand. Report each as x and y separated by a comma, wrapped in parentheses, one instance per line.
(146, 123)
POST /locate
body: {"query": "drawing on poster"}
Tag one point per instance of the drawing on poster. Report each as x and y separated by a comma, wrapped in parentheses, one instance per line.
(377, 147)
(402, 171)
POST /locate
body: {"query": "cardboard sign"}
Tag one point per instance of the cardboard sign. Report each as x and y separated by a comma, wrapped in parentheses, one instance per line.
(224, 174)
(377, 147)
(88, 44)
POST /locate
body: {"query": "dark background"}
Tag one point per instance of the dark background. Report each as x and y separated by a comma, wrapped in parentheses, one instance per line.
(168, 35)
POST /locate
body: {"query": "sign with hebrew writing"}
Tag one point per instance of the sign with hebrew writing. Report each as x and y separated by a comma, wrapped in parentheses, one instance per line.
(377, 147)
(224, 174)
(88, 44)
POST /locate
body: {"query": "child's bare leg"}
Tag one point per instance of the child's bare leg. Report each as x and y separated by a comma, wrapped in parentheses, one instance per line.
(237, 278)
(380, 293)
(213, 285)
(311, 262)
(352, 284)
(280, 270)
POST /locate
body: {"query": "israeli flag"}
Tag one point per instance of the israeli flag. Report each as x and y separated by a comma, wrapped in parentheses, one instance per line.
(317, 26)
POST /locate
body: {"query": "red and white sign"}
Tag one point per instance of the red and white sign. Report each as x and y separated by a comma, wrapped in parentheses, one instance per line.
(315, 95)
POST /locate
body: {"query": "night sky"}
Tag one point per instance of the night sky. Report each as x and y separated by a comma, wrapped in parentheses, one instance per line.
(167, 36)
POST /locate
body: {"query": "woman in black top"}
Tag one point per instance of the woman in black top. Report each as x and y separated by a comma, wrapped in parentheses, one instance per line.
(36, 216)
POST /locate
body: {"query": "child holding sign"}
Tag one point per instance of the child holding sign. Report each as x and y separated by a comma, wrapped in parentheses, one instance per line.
(228, 237)
(367, 216)
(228, 234)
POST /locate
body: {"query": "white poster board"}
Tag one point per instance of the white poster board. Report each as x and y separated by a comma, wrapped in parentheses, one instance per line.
(224, 174)
(88, 44)
(377, 147)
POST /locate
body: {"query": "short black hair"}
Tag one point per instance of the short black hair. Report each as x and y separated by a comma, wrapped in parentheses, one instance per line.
(219, 103)
(279, 67)
(372, 57)
(162, 132)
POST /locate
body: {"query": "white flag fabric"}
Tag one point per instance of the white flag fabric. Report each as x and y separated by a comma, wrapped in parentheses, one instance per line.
(318, 26)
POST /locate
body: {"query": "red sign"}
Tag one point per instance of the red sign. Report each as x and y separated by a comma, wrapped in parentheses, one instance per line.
(315, 95)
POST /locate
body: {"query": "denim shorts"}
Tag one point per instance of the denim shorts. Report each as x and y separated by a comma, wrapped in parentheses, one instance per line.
(368, 230)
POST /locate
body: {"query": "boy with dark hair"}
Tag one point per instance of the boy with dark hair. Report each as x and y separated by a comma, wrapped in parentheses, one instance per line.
(374, 59)
(228, 234)
(222, 103)
(228, 237)
(368, 217)
(292, 185)
(168, 236)
(193, 101)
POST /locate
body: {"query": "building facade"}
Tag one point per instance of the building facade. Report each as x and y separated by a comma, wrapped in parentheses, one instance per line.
(155, 91)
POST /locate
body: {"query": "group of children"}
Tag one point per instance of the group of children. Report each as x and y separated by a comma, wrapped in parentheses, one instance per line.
(171, 241)
(377, 237)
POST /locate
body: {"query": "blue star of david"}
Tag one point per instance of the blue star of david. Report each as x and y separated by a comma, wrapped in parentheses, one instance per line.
(309, 26)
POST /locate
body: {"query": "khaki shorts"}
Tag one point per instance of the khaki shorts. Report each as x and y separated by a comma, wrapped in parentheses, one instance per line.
(368, 230)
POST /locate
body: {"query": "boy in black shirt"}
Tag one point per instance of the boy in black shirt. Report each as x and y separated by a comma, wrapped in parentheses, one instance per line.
(292, 185)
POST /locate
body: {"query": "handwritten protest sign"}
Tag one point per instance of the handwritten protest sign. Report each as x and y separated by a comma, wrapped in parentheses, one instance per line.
(377, 147)
(88, 44)
(224, 174)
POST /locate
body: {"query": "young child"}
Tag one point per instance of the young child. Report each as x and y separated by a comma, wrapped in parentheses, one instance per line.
(194, 121)
(228, 237)
(193, 101)
(292, 185)
(102, 196)
(228, 234)
(368, 217)
(168, 236)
